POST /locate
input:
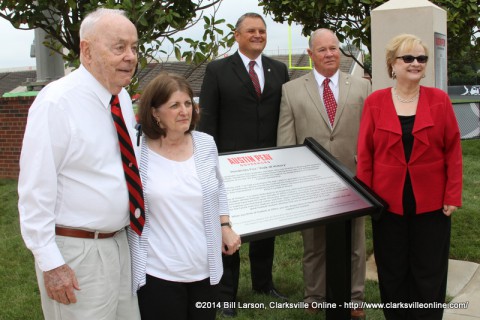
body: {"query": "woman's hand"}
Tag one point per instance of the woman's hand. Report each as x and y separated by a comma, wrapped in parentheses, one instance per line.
(230, 241)
(448, 209)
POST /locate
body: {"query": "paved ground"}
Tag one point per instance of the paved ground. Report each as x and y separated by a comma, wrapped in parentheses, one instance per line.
(463, 284)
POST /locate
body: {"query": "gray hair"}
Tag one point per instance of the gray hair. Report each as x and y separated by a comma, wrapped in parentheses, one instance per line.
(316, 33)
(248, 15)
(92, 18)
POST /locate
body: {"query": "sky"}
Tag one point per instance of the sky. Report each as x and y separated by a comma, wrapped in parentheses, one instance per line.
(17, 43)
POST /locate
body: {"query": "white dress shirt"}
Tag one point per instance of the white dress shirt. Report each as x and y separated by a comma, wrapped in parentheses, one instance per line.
(70, 166)
(258, 67)
(333, 84)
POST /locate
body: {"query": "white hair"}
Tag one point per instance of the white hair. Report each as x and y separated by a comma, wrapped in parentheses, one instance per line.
(317, 33)
(92, 18)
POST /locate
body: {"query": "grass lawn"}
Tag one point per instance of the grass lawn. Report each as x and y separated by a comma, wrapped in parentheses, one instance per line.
(19, 297)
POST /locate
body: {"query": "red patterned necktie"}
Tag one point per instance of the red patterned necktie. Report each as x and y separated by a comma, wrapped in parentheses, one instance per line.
(329, 101)
(254, 77)
(130, 168)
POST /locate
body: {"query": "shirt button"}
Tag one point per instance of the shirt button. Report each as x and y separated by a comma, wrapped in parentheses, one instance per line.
(138, 212)
(331, 138)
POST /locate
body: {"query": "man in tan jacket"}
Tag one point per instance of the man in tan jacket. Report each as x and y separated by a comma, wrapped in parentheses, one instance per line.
(307, 111)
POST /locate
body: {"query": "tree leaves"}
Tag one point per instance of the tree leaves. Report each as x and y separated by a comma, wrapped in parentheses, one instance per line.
(350, 19)
(157, 22)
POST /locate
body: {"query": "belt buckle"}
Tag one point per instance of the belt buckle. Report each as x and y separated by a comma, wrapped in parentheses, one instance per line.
(95, 235)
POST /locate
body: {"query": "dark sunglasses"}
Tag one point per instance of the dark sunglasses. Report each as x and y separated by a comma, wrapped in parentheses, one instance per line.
(409, 58)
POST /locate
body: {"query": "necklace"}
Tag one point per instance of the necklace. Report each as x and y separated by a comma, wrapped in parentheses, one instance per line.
(402, 100)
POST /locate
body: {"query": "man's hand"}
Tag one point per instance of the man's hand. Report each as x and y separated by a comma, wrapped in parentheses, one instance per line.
(60, 283)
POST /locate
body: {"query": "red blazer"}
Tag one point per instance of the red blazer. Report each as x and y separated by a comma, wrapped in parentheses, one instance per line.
(435, 164)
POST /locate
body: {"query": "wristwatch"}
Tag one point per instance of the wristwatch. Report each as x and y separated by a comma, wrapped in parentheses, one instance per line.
(226, 224)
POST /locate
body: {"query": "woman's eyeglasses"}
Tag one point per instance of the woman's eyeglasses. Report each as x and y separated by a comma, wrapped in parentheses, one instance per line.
(409, 58)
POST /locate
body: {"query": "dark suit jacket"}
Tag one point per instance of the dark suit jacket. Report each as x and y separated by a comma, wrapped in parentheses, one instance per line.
(231, 111)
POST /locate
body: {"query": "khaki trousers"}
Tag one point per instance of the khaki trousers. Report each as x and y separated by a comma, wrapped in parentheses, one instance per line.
(103, 271)
(314, 262)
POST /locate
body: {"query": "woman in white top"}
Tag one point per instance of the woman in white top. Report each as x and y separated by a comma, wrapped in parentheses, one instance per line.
(177, 261)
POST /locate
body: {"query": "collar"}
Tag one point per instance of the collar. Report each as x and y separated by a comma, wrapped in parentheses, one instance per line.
(246, 60)
(319, 78)
(100, 91)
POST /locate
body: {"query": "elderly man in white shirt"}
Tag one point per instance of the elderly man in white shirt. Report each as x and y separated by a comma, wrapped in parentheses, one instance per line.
(73, 197)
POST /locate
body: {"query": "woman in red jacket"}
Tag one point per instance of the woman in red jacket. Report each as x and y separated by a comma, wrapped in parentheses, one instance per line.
(409, 153)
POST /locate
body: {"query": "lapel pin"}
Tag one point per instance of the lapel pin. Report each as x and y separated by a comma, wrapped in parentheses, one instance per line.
(268, 70)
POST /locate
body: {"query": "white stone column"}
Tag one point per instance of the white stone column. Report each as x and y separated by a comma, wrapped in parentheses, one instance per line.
(421, 18)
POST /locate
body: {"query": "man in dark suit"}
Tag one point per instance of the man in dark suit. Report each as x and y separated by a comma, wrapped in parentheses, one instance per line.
(240, 103)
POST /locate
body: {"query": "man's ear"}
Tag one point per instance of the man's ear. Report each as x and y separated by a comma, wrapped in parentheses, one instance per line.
(85, 51)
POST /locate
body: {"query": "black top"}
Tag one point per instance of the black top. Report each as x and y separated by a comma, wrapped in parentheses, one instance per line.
(407, 122)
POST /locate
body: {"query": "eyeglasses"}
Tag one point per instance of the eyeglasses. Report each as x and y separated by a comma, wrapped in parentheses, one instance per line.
(409, 58)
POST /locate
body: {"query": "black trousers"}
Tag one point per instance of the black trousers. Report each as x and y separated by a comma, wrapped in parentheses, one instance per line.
(411, 253)
(261, 263)
(162, 299)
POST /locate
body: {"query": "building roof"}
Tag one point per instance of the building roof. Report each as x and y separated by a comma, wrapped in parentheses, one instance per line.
(11, 80)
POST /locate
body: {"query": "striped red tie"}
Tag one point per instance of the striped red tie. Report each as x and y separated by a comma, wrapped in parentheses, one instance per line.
(254, 77)
(130, 167)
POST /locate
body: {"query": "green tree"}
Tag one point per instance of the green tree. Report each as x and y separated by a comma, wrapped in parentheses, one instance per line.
(463, 72)
(158, 22)
(350, 19)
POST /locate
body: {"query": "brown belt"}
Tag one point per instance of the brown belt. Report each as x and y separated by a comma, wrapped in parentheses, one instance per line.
(77, 233)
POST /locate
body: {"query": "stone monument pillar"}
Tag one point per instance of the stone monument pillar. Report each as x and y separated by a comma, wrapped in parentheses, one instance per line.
(50, 64)
(421, 18)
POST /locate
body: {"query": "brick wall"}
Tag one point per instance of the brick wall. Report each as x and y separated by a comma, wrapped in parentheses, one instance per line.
(13, 118)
